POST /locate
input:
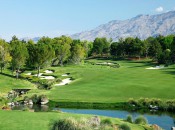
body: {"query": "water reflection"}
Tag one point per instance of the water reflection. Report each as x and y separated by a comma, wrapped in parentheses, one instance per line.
(164, 120)
(36, 108)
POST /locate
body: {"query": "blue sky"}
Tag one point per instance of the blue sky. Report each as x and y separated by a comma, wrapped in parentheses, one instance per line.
(31, 18)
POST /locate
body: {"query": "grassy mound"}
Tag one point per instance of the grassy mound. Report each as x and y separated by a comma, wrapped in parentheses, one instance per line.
(13, 120)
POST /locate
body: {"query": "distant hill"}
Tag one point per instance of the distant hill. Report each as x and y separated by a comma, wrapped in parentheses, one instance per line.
(141, 26)
(35, 39)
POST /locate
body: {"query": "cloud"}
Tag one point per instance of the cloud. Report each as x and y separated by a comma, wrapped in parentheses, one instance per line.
(159, 9)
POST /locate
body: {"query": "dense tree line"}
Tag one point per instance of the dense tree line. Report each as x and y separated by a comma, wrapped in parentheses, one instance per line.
(60, 50)
(46, 52)
(160, 48)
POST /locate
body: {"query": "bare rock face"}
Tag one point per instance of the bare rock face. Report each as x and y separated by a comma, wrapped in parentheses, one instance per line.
(156, 127)
(141, 26)
(95, 121)
(30, 102)
(44, 100)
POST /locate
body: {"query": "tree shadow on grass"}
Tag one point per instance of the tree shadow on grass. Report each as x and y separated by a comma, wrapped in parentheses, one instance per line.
(143, 64)
(8, 75)
(169, 72)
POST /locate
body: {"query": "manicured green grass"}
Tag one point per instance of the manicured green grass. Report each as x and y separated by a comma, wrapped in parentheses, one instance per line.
(19, 120)
(103, 84)
(95, 83)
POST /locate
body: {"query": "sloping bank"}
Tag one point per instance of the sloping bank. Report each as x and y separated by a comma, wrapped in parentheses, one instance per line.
(137, 104)
(64, 104)
(13, 120)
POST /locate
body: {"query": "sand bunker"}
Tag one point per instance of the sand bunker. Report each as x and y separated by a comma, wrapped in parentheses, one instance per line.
(28, 74)
(64, 75)
(43, 77)
(37, 74)
(48, 71)
(155, 68)
(64, 82)
(47, 77)
(105, 63)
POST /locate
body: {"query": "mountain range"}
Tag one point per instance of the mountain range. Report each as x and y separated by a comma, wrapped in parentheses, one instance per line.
(141, 26)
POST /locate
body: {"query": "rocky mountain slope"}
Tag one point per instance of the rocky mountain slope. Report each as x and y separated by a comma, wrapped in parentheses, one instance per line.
(141, 26)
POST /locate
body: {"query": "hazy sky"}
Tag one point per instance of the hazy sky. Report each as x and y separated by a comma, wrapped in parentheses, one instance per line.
(31, 18)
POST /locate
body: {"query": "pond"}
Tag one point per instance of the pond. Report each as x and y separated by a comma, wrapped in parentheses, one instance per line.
(164, 120)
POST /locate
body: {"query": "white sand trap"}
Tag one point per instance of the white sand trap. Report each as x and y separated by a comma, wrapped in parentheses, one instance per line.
(47, 77)
(48, 71)
(105, 63)
(64, 75)
(109, 63)
(64, 82)
(155, 68)
(28, 74)
(39, 74)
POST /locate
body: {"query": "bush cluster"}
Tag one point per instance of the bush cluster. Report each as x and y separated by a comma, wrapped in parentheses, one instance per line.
(124, 127)
(82, 124)
(129, 119)
(139, 120)
(64, 124)
(168, 105)
(106, 122)
(35, 99)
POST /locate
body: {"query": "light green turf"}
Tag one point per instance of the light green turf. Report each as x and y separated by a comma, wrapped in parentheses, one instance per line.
(95, 83)
(19, 120)
(7, 83)
(107, 85)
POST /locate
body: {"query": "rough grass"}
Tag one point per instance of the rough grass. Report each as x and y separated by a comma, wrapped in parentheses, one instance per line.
(21, 120)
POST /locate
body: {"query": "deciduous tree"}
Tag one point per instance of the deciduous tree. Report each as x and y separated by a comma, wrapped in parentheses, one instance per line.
(4, 54)
(19, 54)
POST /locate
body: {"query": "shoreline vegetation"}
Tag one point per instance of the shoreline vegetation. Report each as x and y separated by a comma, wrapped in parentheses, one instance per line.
(138, 104)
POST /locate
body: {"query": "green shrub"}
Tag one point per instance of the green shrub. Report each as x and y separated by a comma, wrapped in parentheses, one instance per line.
(129, 119)
(26, 98)
(141, 120)
(124, 127)
(51, 70)
(33, 73)
(64, 124)
(35, 99)
(106, 122)
(105, 127)
(71, 78)
(142, 102)
(58, 80)
(3, 102)
(132, 101)
(25, 109)
(34, 79)
(45, 84)
(55, 76)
